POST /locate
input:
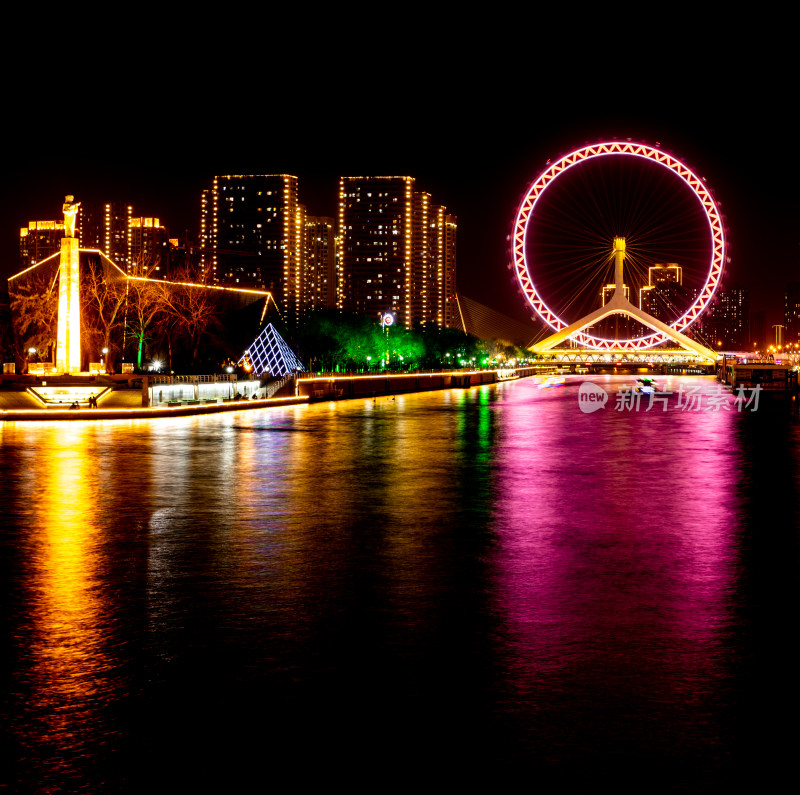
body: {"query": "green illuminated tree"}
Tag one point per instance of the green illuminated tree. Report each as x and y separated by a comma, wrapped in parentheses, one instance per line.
(144, 307)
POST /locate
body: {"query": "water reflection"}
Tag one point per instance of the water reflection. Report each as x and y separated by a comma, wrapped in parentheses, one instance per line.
(615, 563)
(464, 578)
(69, 670)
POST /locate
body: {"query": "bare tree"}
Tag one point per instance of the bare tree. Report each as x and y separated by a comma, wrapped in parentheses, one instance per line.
(34, 310)
(102, 309)
(193, 308)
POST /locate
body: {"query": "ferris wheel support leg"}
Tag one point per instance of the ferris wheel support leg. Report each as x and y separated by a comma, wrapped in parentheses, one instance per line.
(618, 305)
(579, 325)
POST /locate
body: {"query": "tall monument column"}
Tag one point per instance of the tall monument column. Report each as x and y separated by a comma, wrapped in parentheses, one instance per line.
(68, 344)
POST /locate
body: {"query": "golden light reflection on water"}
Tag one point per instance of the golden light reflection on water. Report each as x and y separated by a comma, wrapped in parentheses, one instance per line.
(68, 659)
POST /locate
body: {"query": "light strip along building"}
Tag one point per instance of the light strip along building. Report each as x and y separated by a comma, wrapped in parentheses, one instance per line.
(396, 251)
(252, 229)
(136, 245)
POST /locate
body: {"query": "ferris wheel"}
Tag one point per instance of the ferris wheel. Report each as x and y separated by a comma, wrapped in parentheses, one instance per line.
(566, 233)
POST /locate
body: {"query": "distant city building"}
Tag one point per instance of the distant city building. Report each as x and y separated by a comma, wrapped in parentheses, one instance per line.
(39, 240)
(660, 274)
(664, 297)
(137, 245)
(791, 313)
(728, 323)
(252, 232)
(608, 290)
(106, 226)
(148, 247)
(397, 251)
(614, 326)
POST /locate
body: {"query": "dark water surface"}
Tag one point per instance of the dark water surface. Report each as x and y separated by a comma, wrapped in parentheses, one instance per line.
(459, 588)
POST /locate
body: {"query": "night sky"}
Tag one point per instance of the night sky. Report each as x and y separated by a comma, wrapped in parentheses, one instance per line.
(471, 107)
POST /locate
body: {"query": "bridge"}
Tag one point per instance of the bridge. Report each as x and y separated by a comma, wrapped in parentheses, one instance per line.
(664, 359)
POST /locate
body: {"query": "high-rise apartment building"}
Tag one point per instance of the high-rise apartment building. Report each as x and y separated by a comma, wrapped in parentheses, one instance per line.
(106, 226)
(148, 248)
(444, 302)
(252, 230)
(39, 240)
(319, 264)
(137, 245)
(396, 250)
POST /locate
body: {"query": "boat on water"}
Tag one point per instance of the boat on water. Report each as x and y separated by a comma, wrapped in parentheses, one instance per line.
(553, 380)
(645, 386)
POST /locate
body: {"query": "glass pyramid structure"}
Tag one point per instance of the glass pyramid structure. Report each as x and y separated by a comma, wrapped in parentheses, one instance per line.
(269, 353)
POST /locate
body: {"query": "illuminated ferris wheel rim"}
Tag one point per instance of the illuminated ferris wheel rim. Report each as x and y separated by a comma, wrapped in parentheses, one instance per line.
(628, 148)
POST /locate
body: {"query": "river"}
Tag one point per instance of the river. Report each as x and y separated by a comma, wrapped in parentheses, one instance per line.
(456, 588)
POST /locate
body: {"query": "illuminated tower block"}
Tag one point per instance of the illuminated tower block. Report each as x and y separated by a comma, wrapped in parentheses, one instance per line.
(252, 231)
(148, 244)
(319, 264)
(397, 251)
(39, 240)
(442, 299)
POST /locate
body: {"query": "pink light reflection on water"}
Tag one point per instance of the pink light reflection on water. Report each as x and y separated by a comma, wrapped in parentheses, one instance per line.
(615, 557)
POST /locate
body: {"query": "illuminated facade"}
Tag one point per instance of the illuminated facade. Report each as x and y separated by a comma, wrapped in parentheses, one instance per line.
(319, 265)
(39, 240)
(664, 296)
(397, 251)
(138, 245)
(443, 227)
(106, 226)
(148, 247)
(252, 232)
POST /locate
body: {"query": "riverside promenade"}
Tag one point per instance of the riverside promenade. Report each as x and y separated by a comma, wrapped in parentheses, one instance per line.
(138, 397)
